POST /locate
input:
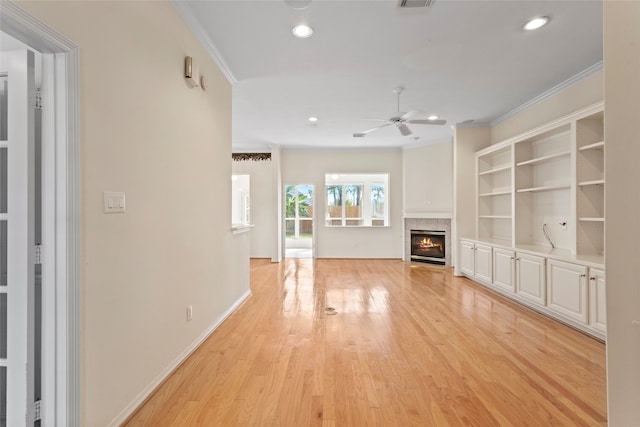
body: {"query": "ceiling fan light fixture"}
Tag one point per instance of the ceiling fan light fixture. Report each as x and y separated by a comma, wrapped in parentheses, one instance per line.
(535, 23)
(302, 31)
(433, 117)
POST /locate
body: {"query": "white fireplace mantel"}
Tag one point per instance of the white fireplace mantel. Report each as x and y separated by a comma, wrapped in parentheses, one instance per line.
(421, 213)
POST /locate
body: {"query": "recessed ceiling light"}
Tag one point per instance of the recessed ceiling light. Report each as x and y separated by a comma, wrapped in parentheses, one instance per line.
(433, 117)
(302, 31)
(313, 119)
(535, 23)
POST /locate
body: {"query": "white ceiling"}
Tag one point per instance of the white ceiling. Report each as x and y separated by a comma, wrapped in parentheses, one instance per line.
(462, 60)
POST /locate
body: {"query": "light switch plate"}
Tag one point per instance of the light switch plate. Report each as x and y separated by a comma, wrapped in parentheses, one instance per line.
(114, 202)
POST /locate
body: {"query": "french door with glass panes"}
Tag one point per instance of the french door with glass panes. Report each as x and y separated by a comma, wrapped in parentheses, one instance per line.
(19, 273)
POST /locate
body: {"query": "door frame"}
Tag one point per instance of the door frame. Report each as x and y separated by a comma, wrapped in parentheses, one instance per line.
(61, 363)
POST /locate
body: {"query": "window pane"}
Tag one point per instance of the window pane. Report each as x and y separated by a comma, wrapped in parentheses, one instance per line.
(290, 201)
(290, 227)
(305, 201)
(334, 204)
(353, 203)
(377, 204)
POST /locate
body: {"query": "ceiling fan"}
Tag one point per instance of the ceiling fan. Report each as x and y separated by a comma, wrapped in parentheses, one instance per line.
(400, 119)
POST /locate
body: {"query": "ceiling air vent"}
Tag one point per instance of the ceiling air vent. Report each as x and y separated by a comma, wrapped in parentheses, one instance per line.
(415, 3)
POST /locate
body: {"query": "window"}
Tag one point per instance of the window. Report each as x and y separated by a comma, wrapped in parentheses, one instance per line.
(240, 197)
(357, 200)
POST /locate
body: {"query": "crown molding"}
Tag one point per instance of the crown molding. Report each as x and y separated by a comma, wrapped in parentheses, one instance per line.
(195, 26)
(549, 93)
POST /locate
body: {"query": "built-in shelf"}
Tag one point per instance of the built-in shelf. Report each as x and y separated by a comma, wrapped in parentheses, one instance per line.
(544, 158)
(495, 216)
(495, 170)
(545, 188)
(593, 146)
(4, 217)
(495, 193)
(4, 144)
(593, 182)
(591, 218)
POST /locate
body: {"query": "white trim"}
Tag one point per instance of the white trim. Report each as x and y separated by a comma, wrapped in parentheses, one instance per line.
(22, 26)
(157, 382)
(551, 92)
(421, 214)
(20, 237)
(195, 26)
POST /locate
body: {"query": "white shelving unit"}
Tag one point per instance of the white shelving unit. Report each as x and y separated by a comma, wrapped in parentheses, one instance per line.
(494, 207)
(543, 186)
(551, 175)
(591, 186)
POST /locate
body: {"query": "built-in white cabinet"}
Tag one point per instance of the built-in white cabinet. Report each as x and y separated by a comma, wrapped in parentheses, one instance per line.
(520, 273)
(476, 260)
(504, 269)
(568, 290)
(530, 278)
(597, 305)
(540, 219)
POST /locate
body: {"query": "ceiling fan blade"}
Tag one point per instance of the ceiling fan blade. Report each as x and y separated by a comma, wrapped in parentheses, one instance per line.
(365, 132)
(427, 122)
(404, 130)
(413, 114)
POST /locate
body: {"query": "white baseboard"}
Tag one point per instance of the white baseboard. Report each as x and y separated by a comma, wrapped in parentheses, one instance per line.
(148, 391)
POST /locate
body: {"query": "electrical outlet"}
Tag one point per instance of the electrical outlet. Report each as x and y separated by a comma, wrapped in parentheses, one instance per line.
(189, 313)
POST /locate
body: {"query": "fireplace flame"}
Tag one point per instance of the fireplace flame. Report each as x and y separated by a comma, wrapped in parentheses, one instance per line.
(427, 243)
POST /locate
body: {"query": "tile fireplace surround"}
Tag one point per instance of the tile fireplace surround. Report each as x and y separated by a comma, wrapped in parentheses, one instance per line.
(436, 224)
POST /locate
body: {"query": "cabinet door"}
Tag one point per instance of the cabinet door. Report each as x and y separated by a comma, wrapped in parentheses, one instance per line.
(483, 261)
(467, 258)
(567, 289)
(597, 301)
(530, 278)
(503, 262)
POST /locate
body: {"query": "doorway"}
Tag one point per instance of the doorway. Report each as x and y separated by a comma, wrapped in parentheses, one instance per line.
(39, 169)
(299, 224)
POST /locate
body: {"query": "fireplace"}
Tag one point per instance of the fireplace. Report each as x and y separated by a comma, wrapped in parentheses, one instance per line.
(428, 246)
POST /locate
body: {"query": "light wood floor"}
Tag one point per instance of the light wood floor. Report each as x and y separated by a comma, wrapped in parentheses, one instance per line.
(410, 345)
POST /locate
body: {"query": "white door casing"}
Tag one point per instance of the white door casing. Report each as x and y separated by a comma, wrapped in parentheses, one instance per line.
(20, 69)
(61, 211)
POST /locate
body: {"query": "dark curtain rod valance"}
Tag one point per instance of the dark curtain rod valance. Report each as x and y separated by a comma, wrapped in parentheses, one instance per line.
(255, 157)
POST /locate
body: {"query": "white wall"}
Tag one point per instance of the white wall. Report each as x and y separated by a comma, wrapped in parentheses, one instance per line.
(263, 206)
(428, 180)
(310, 167)
(622, 206)
(144, 132)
